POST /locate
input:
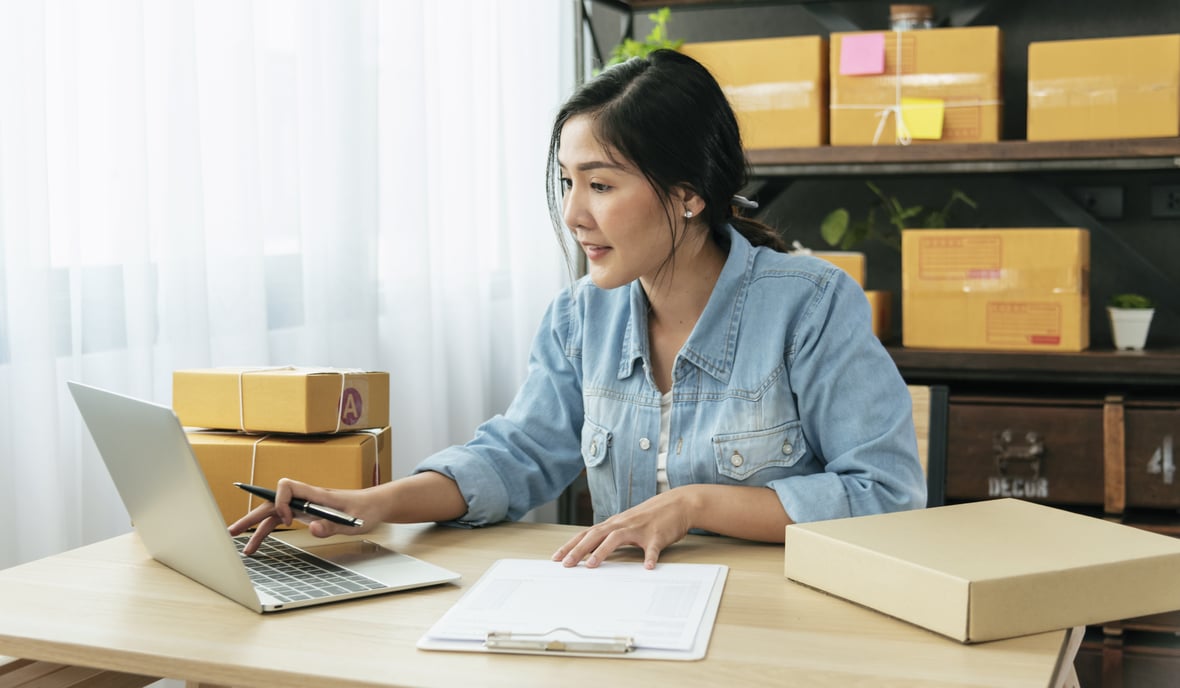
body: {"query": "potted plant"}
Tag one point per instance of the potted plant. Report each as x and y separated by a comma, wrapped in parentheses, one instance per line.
(1130, 318)
(656, 39)
(840, 230)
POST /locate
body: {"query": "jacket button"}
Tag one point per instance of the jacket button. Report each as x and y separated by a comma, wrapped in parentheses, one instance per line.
(593, 447)
(787, 448)
(736, 460)
(644, 443)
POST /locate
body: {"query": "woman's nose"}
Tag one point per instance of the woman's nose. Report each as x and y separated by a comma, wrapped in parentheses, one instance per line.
(572, 209)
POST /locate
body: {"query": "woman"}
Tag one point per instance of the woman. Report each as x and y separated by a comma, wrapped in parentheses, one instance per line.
(703, 378)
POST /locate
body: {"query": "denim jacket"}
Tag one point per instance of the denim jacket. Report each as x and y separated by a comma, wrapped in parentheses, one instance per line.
(781, 384)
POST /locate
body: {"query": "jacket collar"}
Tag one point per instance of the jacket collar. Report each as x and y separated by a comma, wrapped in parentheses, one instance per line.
(712, 344)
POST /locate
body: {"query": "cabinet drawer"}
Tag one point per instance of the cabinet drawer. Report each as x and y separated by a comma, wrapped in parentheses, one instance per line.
(1047, 451)
(1151, 431)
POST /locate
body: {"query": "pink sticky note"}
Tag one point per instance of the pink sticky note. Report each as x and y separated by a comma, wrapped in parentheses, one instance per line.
(862, 53)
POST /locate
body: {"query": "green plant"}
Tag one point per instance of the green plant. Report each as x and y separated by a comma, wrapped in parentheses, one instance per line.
(1130, 301)
(839, 230)
(655, 40)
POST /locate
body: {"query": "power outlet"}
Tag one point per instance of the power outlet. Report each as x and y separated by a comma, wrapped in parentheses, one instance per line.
(1103, 202)
(1165, 201)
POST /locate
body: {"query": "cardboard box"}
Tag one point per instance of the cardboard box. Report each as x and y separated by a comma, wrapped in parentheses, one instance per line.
(852, 262)
(880, 302)
(881, 308)
(776, 86)
(998, 289)
(958, 66)
(345, 461)
(1104, 88)
(290, 399)
(989, 570)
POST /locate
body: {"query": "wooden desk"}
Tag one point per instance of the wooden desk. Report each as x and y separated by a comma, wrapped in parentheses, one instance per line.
(111, 606)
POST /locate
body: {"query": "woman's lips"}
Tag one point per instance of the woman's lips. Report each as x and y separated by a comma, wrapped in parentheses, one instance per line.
(594, 251)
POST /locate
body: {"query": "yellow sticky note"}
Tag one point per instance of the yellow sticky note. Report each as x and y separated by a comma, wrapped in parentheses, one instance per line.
(923, 117)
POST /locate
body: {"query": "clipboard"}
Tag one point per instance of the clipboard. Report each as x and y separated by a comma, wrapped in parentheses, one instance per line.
(618, 610)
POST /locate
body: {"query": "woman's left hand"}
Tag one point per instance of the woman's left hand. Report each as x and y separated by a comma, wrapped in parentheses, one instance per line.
(653, 525)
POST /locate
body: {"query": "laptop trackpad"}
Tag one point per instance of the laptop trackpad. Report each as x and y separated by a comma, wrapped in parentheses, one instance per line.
(380, 563)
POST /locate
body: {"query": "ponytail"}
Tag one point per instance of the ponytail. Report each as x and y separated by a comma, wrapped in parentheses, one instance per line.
(759, 233)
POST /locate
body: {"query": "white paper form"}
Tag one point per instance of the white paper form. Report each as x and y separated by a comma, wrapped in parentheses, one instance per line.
(670, 608)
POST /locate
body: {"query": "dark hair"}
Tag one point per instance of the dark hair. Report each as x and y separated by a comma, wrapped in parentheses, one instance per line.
(666, 114)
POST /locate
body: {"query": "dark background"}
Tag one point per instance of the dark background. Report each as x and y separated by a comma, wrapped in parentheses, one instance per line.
(1141, 242)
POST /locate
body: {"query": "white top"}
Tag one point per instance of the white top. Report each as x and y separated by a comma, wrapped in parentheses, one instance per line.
(662, 455)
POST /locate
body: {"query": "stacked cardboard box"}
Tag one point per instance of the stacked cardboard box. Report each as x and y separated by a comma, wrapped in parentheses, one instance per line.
(1002, 289)
(853, 263)
(952, 73)
(1104, 88)
(256, 425)
(776, 86)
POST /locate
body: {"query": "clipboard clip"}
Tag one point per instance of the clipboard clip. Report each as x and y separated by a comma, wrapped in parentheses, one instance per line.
(559, 639)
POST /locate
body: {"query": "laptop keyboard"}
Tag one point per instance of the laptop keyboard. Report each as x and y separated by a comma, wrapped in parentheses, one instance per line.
(291, 575)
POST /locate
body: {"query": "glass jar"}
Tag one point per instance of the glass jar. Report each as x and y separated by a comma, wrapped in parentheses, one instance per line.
(909, 17)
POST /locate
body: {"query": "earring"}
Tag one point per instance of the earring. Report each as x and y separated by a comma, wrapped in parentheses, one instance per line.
(687, 214)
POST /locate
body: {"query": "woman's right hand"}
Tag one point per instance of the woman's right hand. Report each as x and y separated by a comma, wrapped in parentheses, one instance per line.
(268, 516)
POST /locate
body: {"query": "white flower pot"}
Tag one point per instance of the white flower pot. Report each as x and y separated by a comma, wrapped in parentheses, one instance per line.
(1129, 326)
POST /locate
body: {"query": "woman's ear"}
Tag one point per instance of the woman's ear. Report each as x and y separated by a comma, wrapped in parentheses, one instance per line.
(686, 201)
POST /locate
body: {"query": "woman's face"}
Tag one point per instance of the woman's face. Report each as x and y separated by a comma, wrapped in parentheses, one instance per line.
(611, 209)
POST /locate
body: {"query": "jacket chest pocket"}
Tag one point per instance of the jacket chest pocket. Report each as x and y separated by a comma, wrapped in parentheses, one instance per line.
(595, 444)
(596, 451)
(739, 456)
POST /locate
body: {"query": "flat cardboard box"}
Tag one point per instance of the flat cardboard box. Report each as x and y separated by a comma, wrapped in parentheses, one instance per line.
(345, 461)
(959, 66)
(1023, 289)
(776, 86)
(989, 570)
(1104, 88)
(285, 399)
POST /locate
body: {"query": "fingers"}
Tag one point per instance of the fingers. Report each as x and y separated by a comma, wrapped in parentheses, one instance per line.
(268, 516)
(594, 545)
(253, 517)
(264, 528)
(284, 491)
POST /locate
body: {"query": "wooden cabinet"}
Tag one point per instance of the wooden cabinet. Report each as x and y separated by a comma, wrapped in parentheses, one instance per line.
(1041, 450)
(1149, 460)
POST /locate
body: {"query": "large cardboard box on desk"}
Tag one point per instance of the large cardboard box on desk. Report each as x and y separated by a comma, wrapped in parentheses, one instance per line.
(1104, 88)
(345, 461)
(286, 399)
(953, 73)
(989, 570)
(997, 289)
(776, 86)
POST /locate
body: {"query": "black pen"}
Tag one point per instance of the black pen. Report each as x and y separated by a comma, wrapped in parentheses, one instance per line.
(306, 506)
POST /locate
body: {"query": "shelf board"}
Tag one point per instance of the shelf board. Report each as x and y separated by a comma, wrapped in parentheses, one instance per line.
(1001, 156)
(1146, 369)
(656, 4)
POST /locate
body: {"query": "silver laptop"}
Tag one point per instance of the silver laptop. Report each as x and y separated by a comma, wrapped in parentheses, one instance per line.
(162, 486)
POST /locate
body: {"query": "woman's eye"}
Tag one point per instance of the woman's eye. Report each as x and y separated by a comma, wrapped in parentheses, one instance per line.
(566, 184)
(599, 186)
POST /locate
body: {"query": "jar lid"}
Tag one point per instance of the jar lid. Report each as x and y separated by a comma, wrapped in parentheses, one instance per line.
(911, 11)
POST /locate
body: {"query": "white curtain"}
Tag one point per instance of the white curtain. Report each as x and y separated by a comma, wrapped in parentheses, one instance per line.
(192, 183)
